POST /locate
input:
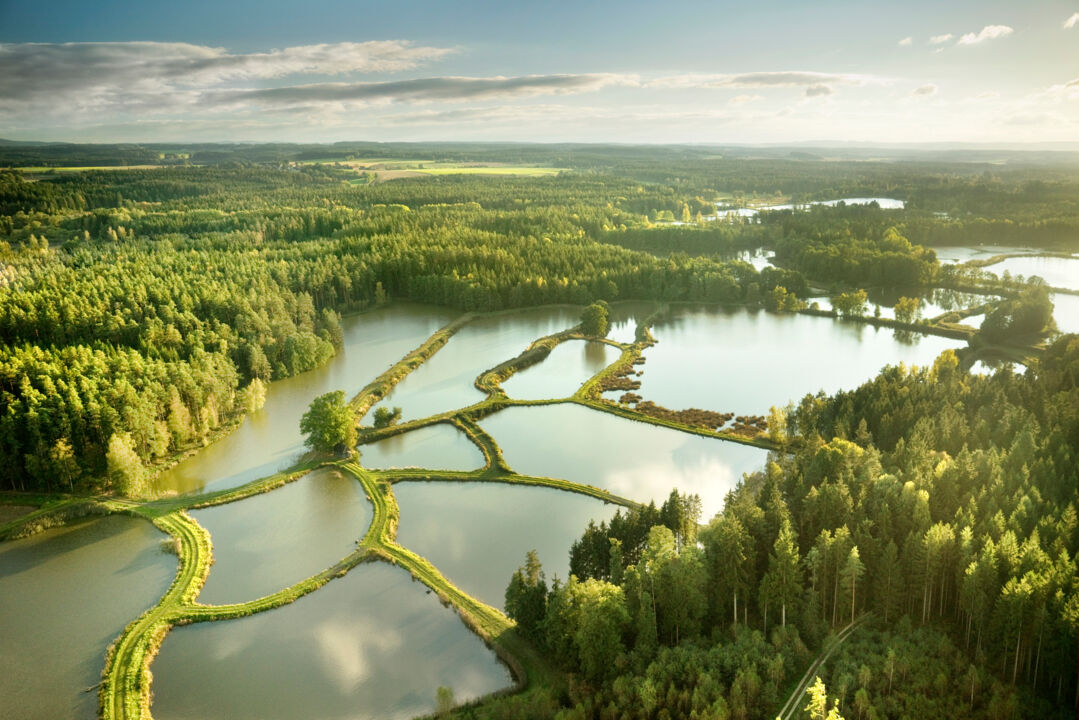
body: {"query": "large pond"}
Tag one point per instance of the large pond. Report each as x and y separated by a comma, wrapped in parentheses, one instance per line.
(270, 541)
(635, 460)
(65, 594)
(373, 644)
(270, 439)
(1056, 271)
(477, 533)
(745, 361)
(962, 253)
(445, 382)
(724, 211)
(568, 366)
(440, 446)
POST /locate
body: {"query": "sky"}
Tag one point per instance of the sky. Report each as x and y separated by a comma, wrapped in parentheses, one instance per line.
(709, 71)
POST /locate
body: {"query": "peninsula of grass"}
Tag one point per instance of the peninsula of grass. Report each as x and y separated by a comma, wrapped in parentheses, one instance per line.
(994, 259)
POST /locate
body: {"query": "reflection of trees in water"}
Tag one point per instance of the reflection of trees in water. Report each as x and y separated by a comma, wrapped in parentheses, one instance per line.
(955, 300)
(595, 354)
(907, 337)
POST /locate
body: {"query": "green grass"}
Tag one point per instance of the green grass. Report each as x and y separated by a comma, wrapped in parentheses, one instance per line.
(528, 171)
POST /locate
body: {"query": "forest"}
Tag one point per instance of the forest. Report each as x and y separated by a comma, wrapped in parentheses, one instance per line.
(942, 511)
(144, 311)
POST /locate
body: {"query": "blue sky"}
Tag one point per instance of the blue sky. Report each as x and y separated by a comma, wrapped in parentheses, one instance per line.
(711, 72)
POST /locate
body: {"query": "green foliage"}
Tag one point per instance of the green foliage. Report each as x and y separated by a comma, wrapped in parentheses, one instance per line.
(444, 701)
(385, 417)
(594, 319)
(526, 596)
(253, 397)
(125, 471)
(850, 304)
(818, 707)
(329, 424)
(780, 300)
(907, 309)
(1029, 315)
(590, 556)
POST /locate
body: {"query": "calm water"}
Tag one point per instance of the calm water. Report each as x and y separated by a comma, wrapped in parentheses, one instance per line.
(759, 258)
(745, 361)
(270, 541)
(568, 366)
(440, 446)
(65, 594)
(724, 211)
(960, 254)
(445, 382)
(477, 534)
(636, 460)
(373, 644)
(973, 320)
(1057, 272)
(270, 440)
(624, 318)
(1066, 312)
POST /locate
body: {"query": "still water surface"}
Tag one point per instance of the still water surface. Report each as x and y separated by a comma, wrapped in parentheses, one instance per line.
(265, 543)
(65, 594)
(445, 382)
(635, 460)
(373, 644)
(440, 446)
(745, 361)
(568, 366)
(477, 534)
(1055, 271)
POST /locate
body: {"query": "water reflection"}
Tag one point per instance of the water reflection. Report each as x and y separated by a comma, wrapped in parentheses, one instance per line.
(65, 594)
(373, 644)
(270, 541)
(636, 460)
(440, 446)
(477, 534)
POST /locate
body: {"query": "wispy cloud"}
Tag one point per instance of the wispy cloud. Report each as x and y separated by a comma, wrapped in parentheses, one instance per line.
(744, 99)
(819, 91)
(126, 77)
(906, 42)
(925, 90)
(1063, 91)
(789, 78)
(1072, 21)
(940, 39)
(46, 68)
(989, 32)
(423, 89)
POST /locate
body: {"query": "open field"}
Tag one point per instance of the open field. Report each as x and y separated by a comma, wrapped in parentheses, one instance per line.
(392, 169)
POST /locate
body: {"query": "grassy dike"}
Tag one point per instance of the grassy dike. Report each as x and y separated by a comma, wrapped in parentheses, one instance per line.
(378, 388)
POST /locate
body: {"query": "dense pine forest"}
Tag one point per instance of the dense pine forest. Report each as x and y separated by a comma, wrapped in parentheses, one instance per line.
(144, 311)
(941, 513)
